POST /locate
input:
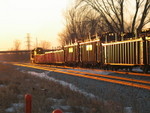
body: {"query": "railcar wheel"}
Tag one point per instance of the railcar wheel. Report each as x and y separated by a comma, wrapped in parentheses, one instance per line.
(116, 68)
(145, 69)
(130, 69)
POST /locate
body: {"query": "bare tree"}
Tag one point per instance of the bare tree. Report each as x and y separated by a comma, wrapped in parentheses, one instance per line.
(138, 3)
(113, 13)
(98, 16)
(80, 22)
(145, 13)
(62, 37)
(70, 32)
(45, 44)
(87, 22)
(17, 45)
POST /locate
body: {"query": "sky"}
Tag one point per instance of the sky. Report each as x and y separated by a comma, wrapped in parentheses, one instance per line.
(42, 19)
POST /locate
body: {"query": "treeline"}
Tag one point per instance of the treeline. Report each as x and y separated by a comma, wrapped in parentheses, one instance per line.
(90, 17)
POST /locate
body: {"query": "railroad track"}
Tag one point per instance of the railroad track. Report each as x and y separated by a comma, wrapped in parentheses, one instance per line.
(131, 79)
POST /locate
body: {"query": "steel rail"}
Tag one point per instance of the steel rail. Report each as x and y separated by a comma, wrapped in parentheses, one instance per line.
(109, 76)
(120, 72)
(114, 77)
(127, 83)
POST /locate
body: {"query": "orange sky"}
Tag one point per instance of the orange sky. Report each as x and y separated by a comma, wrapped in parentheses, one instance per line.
(43, 19)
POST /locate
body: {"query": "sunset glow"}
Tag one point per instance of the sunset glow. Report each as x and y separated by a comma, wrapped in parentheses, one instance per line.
(43, 19)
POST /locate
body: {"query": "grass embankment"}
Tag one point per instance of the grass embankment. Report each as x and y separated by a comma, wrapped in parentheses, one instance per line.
(46, 95)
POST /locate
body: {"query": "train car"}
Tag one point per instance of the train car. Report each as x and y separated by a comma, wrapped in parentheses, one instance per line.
(58, 56)
(72, 54)
(90, 52)
(40, 58)
(125, 54)
(146, 54)
(49, 57)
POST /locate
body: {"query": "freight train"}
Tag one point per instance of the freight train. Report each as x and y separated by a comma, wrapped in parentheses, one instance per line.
(102, 52)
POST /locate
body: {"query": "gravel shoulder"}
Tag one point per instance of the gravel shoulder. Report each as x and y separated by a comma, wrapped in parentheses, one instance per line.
(78, 95)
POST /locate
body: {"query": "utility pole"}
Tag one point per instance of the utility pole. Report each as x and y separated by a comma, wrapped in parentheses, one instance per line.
(28, 41)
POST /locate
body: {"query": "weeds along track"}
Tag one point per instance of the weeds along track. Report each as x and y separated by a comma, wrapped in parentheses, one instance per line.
(47, 95)
(129, 79)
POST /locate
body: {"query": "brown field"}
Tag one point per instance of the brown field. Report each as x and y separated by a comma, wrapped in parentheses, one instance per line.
(46, 95)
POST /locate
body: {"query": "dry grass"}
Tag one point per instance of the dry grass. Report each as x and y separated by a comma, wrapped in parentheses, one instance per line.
(46, 94)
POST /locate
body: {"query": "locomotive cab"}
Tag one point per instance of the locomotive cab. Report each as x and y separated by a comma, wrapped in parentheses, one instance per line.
(35, 52)
(38, 51)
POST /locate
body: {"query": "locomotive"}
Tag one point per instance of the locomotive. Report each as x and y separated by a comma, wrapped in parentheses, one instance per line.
(101, 52)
